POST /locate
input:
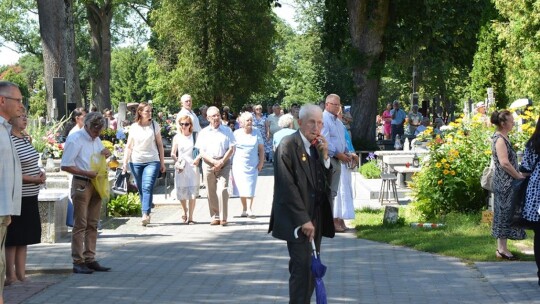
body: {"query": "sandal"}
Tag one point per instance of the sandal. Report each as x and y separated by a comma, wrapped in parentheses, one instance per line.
(339, 229)
(503, 256)
(184, 218)
(192, 223)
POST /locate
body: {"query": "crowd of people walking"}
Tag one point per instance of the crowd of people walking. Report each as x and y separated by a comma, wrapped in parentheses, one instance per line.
(310, 147)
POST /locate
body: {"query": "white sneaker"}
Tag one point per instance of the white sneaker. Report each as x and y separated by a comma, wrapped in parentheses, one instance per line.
(145, 219)
(250, 214)
(244, 214)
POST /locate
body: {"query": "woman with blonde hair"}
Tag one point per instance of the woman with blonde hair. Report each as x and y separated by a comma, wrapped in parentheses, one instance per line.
(186, 173)
(144, 152)
(506, 170)
(248, 160)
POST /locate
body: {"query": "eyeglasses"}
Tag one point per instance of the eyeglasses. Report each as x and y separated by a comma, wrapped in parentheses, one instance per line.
(185, 124)
(19, 100)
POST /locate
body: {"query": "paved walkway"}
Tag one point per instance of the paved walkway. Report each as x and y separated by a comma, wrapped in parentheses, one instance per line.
(170, 262)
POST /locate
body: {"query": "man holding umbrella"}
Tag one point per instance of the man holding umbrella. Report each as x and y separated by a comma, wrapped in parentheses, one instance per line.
(302, 198)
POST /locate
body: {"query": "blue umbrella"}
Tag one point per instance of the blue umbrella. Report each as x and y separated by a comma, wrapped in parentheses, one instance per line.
(318, 270)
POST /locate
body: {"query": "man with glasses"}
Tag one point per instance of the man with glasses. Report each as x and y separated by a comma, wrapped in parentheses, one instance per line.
(10, 168)
(301, 210)
(79, 149)
(334, 132)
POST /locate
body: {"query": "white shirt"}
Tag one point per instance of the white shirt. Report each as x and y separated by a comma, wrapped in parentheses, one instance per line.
(194, 119)
(79, 149)
(144, 149)
(215, 142)
(10, 173)
(307, 145)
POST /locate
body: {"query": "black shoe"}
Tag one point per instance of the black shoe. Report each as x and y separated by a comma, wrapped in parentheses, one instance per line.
(96, 267)
(82, 268)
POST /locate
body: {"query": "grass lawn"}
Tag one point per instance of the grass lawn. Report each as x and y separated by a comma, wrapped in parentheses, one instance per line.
(463, 236)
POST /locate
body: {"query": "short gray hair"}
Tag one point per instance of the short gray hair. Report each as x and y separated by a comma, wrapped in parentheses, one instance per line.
(307, 110)
(94, 119)
(244, 116)
(285, 121)
(185, 97)
(5, 86)
(211, 109)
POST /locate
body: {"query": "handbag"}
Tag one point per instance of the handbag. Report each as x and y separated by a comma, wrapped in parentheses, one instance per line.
(160, 174)
(121, 182)
(519, 187)
(195, 151)
(486, 181)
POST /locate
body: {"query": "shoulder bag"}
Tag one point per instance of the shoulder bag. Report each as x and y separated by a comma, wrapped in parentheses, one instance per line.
(160, 174)
(519, 191)
(486, 181)
(195, 151)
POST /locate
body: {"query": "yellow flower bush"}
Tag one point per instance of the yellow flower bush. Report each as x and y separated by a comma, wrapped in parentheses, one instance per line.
(450, 177)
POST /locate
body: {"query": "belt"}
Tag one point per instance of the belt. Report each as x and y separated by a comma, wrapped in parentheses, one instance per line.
(86, 179)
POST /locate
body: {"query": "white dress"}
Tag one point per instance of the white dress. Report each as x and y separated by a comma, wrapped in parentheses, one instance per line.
(344, 204)
(186, 182)
(245, 161)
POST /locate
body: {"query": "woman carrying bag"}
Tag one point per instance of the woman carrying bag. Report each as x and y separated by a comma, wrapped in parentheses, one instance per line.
(144, 152)
(506, 170)
(186, 159)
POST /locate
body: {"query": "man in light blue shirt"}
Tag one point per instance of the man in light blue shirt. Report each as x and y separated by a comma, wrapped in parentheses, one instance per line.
(334, 132)
(398, 119)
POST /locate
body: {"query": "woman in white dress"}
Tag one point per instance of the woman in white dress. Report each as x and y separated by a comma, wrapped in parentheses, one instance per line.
(248, 160)
(186, 177)
(344, 201)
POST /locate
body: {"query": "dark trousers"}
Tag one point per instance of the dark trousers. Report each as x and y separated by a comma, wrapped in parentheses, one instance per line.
(301, 281)
(397, 129)
(536, 229)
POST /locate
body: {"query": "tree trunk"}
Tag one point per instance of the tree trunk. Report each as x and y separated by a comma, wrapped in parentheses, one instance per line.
(99, 19)
(51, 26)
(73, 87)
(58, 41)
(367, 22)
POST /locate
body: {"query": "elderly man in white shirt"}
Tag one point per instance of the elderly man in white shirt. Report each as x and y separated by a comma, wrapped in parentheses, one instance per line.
(186, 110)
(10, 167)
(216, 146)
(79, 149)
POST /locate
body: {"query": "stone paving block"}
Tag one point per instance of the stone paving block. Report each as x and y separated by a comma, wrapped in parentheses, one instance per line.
(170, 262)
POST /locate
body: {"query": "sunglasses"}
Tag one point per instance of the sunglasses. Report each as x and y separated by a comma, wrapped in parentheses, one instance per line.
(185, 124)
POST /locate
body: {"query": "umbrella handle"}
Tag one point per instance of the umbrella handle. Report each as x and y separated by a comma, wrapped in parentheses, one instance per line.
(312, 241)
(296, 231)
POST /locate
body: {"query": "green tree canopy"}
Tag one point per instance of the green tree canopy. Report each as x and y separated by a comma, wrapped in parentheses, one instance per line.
(219, 52)
(129, 73)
